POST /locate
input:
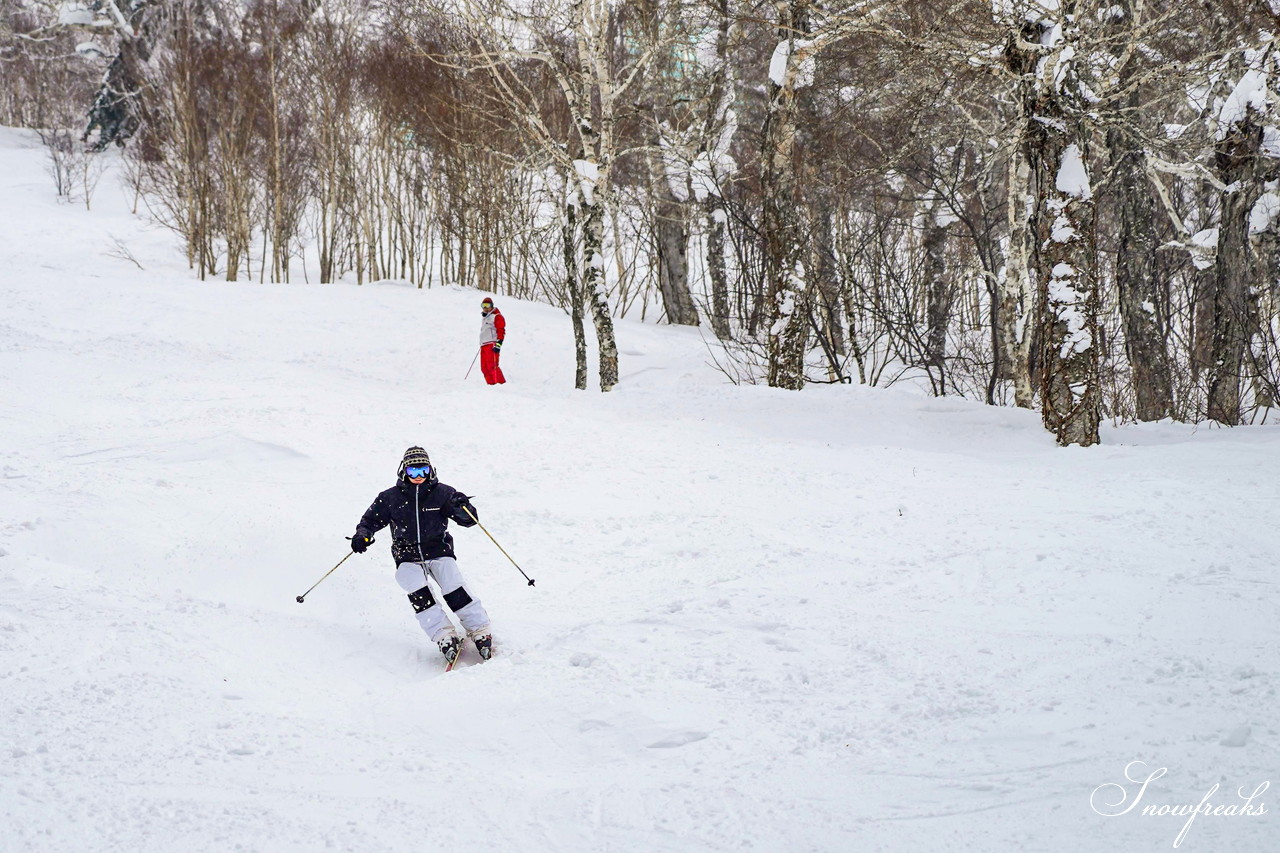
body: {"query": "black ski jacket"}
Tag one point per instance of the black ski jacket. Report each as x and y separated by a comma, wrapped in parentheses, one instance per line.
(419, 516)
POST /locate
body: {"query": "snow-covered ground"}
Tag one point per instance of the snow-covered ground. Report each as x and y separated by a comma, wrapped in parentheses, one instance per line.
(842, 619)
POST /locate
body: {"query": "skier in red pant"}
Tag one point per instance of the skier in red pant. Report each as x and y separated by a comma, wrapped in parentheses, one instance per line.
(493, 329)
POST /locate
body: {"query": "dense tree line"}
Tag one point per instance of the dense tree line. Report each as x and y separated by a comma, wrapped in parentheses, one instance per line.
(1062, 204)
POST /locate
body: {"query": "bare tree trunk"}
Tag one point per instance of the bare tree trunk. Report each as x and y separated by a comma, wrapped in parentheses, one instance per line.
(717, 132)
(852, 318)
(1142, 300)
(992, 260)
(939, 296)
(593, 255)
(594, 87)
(1236, 157)
(715, 213)
(574, 284)
(826, 289)
(1015, 317)
(1069, 387)
(1054, 228)
(278, 227)
(787, 294)
(326, 173)
(1019, 288)
(671, 230)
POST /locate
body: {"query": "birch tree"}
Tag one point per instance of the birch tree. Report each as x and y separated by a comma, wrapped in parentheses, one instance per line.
(1053, 249)
(573, 46)
(691, 123)
(804, 29)
(1016, 320)
(668, 176)
(786, 291)
(713, 165)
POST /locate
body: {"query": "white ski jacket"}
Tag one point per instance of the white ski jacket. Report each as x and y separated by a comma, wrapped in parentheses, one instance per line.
(492, 327)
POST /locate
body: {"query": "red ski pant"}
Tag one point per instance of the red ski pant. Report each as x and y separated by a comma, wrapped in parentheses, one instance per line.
(489, 365)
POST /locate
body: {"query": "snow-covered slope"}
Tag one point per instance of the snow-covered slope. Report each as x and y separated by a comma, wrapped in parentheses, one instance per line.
(844, 619)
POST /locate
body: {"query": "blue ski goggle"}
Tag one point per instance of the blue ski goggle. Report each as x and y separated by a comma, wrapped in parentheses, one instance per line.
(415, 471)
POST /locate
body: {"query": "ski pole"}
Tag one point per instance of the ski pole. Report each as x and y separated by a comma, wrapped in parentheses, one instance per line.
(473, 364)
(500, 548)
(326, 574)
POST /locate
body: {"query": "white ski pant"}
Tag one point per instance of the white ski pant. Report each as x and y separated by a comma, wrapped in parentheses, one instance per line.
(412, 578)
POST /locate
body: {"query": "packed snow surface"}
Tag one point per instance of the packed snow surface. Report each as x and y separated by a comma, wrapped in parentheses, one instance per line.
(835, 620)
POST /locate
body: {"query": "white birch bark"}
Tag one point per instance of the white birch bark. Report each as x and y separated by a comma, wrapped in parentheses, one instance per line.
(1015, 289)
(1051, 218)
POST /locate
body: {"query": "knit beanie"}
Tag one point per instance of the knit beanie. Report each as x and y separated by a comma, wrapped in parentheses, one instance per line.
(417, 456)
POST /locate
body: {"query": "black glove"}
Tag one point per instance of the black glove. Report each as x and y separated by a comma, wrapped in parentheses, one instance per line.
(497, 346)
(461, 510)
(359, 544)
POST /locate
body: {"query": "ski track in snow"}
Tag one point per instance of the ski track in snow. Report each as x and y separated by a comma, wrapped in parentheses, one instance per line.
(845, 619)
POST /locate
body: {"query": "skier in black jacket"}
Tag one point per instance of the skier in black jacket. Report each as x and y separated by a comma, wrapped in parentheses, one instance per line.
(418, 508)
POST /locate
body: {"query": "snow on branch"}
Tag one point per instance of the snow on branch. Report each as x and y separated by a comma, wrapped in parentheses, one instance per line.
(1249, 95)
(1073, 176)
